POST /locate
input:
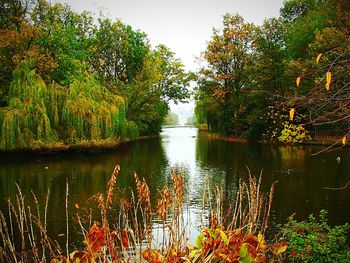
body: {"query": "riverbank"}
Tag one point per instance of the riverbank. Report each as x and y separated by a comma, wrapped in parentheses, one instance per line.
(321, 140)
(80, 146)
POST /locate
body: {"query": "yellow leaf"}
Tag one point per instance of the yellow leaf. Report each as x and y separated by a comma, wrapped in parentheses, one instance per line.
(328, 80)
(344, 140)
(318, 58)
(224, 237)
(291, 114)
(194, 253)
(282, 249)
(262, 243)
(297, 81)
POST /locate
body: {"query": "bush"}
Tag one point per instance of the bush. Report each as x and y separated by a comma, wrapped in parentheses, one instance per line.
(315, 241)
(132, 130)
(293, 133)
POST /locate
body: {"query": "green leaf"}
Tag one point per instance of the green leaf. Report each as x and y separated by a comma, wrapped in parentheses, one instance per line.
(199, 240)
(224, 237)
(244, 254)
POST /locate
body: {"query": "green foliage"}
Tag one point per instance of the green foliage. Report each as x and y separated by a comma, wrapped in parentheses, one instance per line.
(225, 77)
(66, 36)
(119, 51)
(90, 111)
(293, 133)
(39, 115)
(26, 121)
(248, 84)
(314, 240)
(86, 80)
(132, 130)
(171, 119)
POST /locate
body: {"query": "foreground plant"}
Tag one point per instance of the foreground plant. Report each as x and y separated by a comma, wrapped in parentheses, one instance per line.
(313, 240)
(124, 230)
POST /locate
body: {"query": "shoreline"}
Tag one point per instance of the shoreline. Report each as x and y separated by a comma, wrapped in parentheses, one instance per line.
(320, 141)
(112, 145)
(80, 147)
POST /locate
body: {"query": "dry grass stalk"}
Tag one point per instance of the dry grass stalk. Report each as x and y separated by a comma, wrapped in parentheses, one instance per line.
(131, 239)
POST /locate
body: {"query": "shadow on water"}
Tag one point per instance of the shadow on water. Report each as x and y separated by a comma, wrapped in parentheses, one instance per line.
(87, 174)
(301, 177)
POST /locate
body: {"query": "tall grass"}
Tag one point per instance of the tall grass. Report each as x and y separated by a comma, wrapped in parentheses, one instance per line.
(124, 230)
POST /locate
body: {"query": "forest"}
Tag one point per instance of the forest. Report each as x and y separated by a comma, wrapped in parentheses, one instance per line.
(71, 80)
(287, 80)
(68, 79)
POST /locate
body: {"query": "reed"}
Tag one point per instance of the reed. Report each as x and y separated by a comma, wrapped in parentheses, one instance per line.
(126, 228)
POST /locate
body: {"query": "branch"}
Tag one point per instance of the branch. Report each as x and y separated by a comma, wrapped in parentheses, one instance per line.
(341, 188)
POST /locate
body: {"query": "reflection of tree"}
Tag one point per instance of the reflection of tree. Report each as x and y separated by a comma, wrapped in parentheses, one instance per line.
(87, 174)
(299, 190)
(292, 156)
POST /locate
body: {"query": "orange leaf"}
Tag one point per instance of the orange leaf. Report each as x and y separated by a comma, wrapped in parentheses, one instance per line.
(125, 238)
(152, 256)
(297, 81)
(291, 114)
(96, 238)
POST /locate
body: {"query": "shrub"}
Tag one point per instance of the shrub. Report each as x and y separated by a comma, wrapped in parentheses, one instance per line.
(315, 241)
(293, 133)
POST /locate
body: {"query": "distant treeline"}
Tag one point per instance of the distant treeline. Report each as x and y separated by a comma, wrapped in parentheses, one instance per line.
(284, 80)
(66, 78)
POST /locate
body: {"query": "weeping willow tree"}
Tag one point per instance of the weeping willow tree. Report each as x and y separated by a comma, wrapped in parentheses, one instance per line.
(26, 122)
(92, 112)
(39, 115)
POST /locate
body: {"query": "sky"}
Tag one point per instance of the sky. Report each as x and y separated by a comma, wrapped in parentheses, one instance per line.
(185, 26)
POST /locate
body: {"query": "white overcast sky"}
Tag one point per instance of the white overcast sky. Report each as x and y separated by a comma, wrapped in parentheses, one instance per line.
(185, 26)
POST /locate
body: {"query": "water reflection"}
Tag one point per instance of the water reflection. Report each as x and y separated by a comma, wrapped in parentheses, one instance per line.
(301, 177)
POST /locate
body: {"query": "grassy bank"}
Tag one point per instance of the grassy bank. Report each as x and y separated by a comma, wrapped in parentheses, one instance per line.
(79, 146)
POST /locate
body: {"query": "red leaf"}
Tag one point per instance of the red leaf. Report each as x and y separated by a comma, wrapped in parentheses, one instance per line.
(125, 238)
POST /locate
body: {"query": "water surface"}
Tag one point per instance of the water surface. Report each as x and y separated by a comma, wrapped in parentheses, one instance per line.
(301, 176)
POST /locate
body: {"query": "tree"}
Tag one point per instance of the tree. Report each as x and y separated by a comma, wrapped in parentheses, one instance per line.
(269, 56)
(66, 37)
(174, 80)
(326, 104)
(225, 78)
(171, 119)
(119, 52)
(303, 18)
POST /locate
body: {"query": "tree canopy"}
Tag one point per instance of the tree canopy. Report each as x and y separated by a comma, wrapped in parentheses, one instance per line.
(284, 80)
(99, 79)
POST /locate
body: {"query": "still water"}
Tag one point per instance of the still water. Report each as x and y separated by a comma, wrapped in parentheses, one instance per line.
(301, 176)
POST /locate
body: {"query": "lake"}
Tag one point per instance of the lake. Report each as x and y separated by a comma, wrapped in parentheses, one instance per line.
(301, 176)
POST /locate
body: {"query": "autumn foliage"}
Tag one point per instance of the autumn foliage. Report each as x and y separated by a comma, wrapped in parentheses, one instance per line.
(237, 238)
